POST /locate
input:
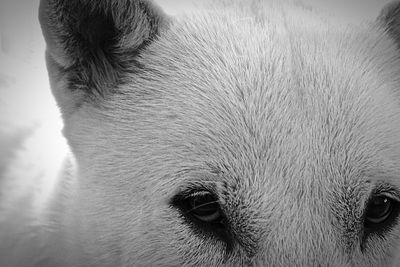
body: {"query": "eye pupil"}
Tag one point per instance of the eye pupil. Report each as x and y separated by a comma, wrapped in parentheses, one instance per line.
(201, 210)
(379, 209)
(205, 207)
(381, 213)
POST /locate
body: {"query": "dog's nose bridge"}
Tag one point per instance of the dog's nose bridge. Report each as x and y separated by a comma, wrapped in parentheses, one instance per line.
(297, 234)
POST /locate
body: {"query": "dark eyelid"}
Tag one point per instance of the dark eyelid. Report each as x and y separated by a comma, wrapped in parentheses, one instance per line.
(193, 189)
(387, 190)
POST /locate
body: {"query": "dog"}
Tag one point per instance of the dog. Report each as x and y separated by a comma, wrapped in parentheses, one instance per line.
(250, 133)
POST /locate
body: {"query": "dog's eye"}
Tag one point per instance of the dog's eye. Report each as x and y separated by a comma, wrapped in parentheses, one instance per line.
(204, 206)
(200, 206)
(381, 214)
(379, 209)
(201, 210)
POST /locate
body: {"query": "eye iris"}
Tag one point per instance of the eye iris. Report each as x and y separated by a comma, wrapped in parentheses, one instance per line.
(205, 207)
(202, 212)
(379, 209)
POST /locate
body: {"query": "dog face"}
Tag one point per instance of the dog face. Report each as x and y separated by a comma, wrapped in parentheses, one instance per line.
(247, 134)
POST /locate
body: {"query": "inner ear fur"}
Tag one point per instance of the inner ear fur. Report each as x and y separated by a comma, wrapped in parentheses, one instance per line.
(94, 43)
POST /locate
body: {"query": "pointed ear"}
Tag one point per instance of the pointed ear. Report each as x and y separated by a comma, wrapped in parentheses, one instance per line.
(389, 18)
(92, 44)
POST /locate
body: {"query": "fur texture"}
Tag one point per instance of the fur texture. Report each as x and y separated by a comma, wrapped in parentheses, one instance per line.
(290, 116)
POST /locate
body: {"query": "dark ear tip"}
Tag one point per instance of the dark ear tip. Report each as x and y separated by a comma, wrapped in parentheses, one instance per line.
(96, 42)
(49, 33)
(389, 19)
(43, 19)
(389, 12)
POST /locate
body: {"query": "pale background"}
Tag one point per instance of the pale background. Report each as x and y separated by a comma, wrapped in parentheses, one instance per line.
(31, 144)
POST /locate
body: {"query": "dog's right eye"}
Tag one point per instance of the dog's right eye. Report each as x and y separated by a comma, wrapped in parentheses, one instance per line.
(204, 207)
(201, 210)
(201, 207)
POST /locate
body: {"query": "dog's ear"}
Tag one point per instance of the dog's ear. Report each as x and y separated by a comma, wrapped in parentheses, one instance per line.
(92, 44)
(389, 18)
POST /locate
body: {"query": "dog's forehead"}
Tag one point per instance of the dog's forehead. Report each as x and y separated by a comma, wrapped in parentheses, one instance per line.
(271, 104)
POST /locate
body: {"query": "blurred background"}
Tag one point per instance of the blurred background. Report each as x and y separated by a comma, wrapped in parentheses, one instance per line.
(31, 143)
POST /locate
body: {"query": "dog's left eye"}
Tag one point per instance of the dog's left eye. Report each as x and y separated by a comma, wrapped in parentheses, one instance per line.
(379, 209)
(381, 214)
